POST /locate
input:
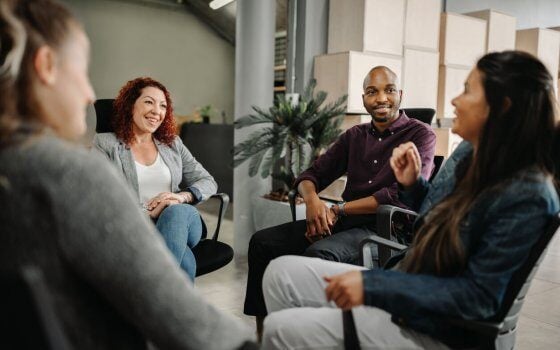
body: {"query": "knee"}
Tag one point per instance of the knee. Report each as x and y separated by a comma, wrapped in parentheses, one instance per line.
(322, 252)
(258, 244)
(281, 330)
(275, 273)
(180, 211)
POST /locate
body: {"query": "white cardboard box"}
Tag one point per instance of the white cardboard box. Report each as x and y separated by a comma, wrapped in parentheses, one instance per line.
(446, 141)
(422, 22)
(543, 43)
(344, 73)
(366, 26)
(462, 40)
(420, 78)
(451, 84)
(351, 120)
(558, 30)
(500, 33)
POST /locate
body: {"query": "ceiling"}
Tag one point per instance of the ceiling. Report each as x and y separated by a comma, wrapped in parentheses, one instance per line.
(222, 21)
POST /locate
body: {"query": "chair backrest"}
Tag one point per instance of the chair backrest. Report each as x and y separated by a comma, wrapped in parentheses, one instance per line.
(438, 161)
(216, 155)
(425, 115)
(104, 113)
(28, 318)
(521, 279)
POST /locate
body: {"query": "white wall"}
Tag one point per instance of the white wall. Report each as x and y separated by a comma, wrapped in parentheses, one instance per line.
(529, 13)
(169, 44)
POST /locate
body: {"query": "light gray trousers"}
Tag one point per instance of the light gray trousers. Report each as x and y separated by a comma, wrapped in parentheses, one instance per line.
(301, 318)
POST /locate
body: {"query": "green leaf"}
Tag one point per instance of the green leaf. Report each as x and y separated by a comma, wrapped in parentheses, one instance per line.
(296, 133)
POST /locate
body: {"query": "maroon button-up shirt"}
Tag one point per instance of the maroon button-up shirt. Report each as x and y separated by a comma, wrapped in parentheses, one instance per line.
(363, 153)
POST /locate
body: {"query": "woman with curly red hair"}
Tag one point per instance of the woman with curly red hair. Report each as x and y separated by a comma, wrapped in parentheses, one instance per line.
(166, 177)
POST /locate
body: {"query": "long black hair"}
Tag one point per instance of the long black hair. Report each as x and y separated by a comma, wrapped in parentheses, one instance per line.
(519, 133)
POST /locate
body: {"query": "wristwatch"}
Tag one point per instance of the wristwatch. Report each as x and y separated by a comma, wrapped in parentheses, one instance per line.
(340, 211)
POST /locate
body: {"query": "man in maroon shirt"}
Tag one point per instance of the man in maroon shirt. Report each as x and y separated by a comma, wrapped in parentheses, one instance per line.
(362, 153)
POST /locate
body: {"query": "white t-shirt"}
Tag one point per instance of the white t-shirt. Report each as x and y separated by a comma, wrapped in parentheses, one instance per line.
(153, 179)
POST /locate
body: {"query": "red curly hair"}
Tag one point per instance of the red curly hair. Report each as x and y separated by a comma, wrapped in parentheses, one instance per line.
(123, 107)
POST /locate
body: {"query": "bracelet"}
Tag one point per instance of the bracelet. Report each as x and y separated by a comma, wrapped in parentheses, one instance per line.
(185, 197)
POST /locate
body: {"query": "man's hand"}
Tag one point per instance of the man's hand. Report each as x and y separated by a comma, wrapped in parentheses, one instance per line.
(346, 290)
(406, 164)
(318, 217)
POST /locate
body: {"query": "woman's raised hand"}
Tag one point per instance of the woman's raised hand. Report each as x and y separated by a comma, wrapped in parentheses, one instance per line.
(406, 163)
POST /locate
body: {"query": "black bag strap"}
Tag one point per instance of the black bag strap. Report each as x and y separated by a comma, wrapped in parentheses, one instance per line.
(351, 341)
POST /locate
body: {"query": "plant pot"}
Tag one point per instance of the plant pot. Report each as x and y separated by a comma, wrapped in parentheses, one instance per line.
(268, 213)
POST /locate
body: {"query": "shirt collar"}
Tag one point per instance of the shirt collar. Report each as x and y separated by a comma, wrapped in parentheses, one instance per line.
(401, 121)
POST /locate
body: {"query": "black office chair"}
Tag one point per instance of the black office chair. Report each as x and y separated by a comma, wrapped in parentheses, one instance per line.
(28, 318)
(210, 254)
(499, 331)
(425, 115)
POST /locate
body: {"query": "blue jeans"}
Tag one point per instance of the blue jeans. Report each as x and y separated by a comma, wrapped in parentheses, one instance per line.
(181, 229)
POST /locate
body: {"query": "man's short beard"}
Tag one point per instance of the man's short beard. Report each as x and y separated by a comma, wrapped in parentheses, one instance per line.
(380, 120)
(386, 118)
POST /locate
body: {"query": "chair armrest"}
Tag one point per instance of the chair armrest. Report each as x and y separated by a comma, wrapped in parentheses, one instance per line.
(224, 202)
(384, 219)
(485, 328)
(292, 200)
(382, 242)
(365, 249)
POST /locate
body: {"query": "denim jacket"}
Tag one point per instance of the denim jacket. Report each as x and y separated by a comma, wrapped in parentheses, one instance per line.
(497, 235)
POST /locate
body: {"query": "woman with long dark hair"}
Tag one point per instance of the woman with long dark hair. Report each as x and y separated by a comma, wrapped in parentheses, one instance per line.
(67, 212)
(477, 222)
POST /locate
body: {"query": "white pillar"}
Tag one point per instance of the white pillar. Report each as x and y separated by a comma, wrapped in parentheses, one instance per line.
(311, 17)
(254, 84)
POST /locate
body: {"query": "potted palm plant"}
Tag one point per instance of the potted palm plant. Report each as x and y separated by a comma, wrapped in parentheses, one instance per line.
(295, 136)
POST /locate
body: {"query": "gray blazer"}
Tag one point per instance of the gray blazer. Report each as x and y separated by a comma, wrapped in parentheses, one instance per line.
(186, 172)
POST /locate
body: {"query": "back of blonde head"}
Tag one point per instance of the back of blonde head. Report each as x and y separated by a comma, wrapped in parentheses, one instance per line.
(25, 26)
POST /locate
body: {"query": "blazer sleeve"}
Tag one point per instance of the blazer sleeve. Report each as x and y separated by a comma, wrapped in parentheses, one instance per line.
(195, 179)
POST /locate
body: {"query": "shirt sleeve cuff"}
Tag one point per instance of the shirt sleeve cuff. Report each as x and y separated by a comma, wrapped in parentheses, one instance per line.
(411, 194)
(309, 178)
(197, 196)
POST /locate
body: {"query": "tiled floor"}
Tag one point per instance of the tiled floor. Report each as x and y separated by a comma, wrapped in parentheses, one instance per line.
(539, 325)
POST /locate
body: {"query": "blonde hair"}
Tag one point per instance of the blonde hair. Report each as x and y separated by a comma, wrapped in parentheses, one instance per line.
(25, 26)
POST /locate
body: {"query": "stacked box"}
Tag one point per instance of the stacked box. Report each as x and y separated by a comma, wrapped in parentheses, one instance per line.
(500, 29)
(462, 43)
(446, 141)
(420, 79)
(422, 21)
(421, 54)
(462, 40)
(357, 25)
(544, 44)
(351, 120)
(451, 84)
